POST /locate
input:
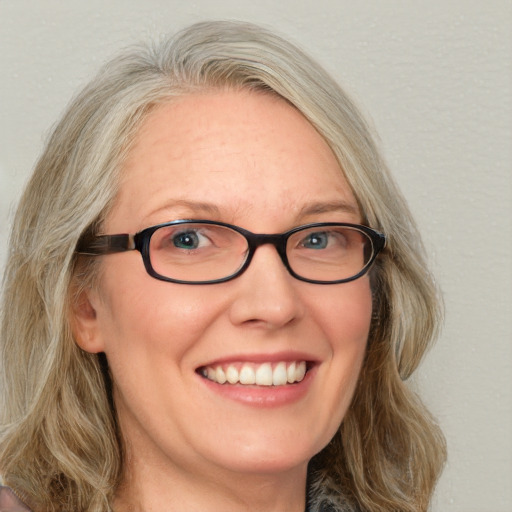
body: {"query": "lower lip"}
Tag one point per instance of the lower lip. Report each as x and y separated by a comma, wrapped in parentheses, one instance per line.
(263, 396)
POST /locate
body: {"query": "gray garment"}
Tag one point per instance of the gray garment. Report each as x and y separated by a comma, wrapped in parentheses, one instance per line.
(325, 496)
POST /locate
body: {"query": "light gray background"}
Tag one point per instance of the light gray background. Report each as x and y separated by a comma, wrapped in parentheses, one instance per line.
(435, 77)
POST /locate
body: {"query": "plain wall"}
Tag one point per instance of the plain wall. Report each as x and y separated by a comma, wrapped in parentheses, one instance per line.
(435, 78)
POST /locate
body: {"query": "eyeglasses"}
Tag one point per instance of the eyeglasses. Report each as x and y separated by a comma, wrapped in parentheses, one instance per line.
(207, 252)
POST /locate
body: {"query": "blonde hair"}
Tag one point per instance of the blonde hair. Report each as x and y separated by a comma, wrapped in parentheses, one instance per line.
(59, 444)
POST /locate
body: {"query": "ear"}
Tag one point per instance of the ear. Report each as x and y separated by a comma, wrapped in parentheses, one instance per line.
(84, 321)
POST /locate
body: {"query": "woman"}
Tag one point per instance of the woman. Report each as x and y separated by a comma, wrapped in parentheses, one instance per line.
(254, 358)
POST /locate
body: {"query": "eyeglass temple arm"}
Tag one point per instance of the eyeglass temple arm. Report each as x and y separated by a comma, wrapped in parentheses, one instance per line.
(105, 244)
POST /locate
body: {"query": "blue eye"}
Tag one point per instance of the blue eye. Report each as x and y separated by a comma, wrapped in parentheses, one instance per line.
(316, 240)
(186, 240)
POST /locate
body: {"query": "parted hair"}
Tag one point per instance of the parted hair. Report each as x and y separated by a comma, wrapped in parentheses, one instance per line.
(60, 448)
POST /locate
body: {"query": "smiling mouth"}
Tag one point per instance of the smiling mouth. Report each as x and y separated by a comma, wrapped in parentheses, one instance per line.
(264, 374)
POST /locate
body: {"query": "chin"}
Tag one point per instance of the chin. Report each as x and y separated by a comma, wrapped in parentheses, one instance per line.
(269, 453)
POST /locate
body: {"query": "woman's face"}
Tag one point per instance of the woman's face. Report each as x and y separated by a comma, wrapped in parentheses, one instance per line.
(252, 160)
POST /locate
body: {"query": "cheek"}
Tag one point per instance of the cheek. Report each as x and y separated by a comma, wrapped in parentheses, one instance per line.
(148, 319)
(345, 314)
(150, 340)
(345, 319)
(157, 323)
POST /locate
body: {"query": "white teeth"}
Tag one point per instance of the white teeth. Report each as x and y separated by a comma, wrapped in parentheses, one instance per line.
(265, 374)
(232, 375)
(300, 371)
(247, 375)
(290, 374)
(220, 376)
(279, 376)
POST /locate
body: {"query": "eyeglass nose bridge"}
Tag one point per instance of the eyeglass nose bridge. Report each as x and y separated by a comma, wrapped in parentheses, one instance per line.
(279, 241)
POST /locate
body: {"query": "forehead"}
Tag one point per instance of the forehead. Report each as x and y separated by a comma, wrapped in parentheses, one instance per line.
(240, 151)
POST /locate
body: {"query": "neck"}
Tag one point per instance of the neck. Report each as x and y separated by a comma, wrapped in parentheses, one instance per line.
(148, 486)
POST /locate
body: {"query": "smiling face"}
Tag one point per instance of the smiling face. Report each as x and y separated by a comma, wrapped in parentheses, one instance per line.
(252, 160)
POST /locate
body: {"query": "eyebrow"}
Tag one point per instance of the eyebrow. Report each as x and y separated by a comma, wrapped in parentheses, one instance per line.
(329, 207)
(193, 206)
(212, 210)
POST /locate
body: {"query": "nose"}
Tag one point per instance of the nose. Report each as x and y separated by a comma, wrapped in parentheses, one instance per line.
(266, 293)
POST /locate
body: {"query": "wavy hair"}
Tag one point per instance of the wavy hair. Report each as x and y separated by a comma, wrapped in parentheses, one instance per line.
(59, 444)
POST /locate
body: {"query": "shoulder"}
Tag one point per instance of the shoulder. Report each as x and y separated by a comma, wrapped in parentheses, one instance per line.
(9, 502)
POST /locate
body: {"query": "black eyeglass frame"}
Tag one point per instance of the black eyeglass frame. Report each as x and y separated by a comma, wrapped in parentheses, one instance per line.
(96, 245)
